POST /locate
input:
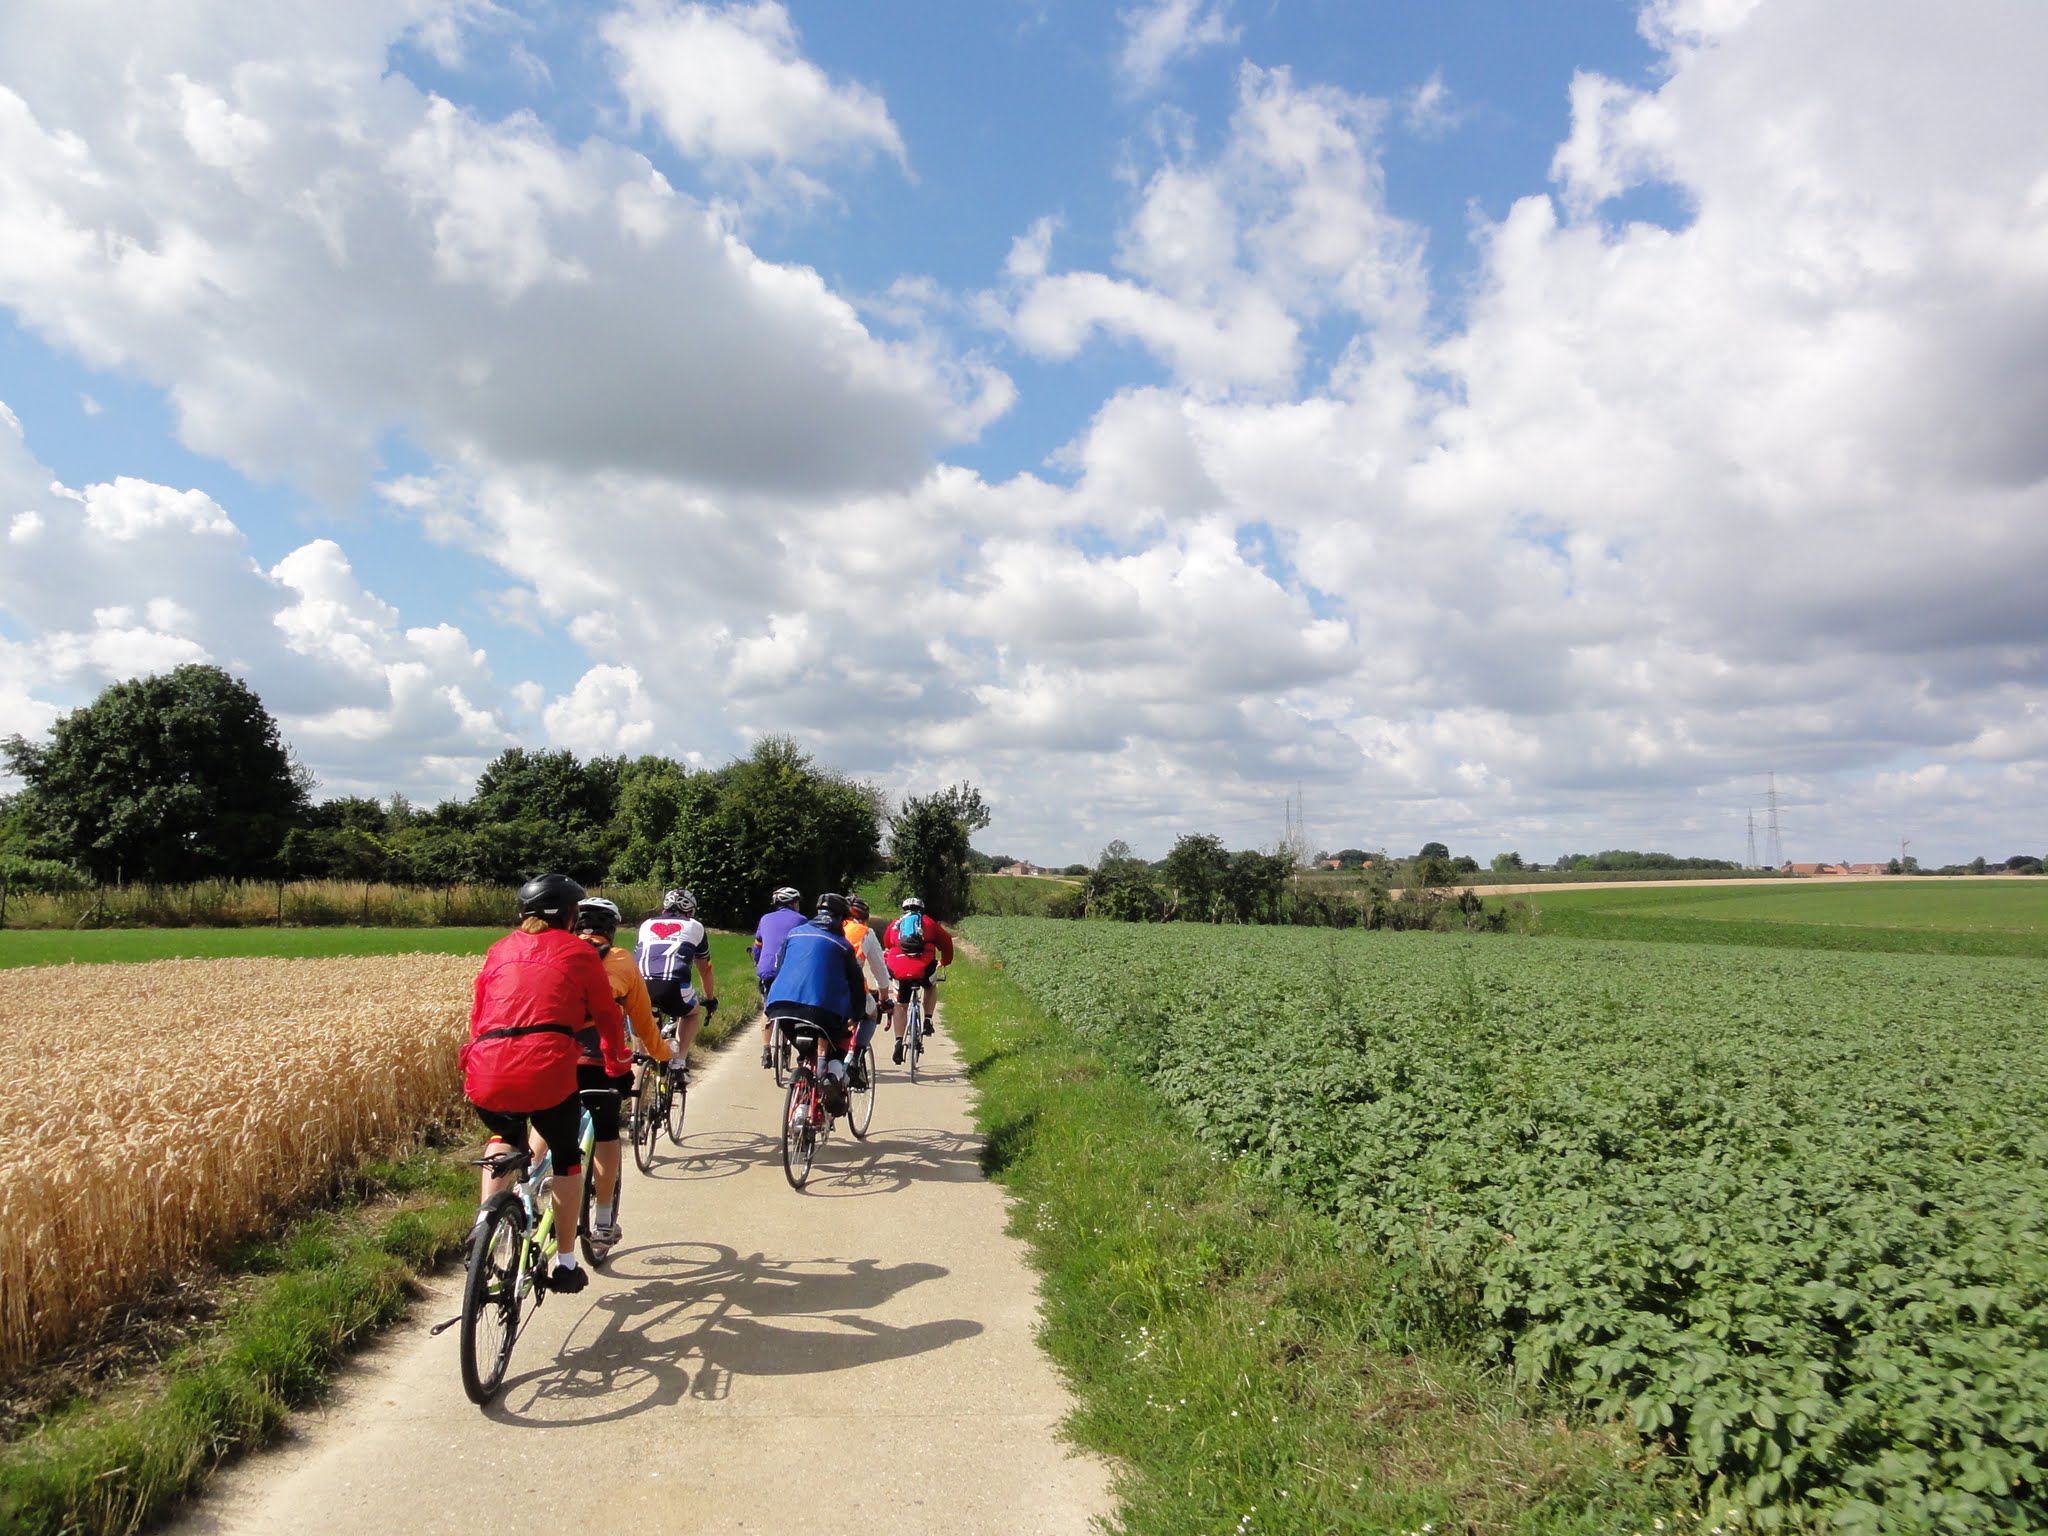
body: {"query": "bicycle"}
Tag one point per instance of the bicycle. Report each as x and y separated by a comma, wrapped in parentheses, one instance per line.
(807, 1117)
(913, 1022)
(511, 1251)
(652, 1091)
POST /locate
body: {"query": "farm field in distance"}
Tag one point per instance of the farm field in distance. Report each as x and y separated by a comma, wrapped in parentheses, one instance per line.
(1921, 916)
(121, 946)
(1784, 1211)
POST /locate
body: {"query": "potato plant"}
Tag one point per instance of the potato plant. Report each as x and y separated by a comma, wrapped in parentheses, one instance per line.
(1785, 1211)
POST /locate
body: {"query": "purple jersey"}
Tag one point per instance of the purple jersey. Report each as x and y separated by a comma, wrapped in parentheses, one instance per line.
(768, 936)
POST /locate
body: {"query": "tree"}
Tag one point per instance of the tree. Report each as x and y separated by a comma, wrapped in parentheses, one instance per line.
(1253, 884)
(772, 818)
(1194, 870)
(170, 778)
(929, 845)
(1433, 851)
(1122, 887)
(1506, 863)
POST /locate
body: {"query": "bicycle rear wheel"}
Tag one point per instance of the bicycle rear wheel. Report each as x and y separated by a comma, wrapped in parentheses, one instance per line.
(647, 1114)
(860, 1102)
(490, 1296)
(913, 1036)
(799, 1133)
(677, 1101)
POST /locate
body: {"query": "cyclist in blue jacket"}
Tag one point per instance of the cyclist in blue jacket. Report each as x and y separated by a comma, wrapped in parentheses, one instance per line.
(815, 978)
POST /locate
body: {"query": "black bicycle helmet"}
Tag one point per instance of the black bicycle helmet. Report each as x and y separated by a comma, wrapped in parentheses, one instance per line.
(551, 898)
(833, 905)
(858, 906)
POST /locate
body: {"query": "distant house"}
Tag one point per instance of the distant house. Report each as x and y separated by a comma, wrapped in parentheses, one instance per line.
(1869, 869)
(1817, 869)
(1023, 868)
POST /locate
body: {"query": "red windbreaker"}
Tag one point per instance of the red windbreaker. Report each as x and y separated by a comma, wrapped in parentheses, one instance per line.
(938, 951)
(534, 992)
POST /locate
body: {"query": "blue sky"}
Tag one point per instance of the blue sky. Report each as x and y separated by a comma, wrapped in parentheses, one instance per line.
(1521, 426)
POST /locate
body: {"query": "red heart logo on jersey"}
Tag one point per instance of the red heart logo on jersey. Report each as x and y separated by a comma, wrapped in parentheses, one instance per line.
(666, 930)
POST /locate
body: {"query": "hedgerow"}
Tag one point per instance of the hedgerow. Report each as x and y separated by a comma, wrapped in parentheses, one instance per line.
(1788, 1212)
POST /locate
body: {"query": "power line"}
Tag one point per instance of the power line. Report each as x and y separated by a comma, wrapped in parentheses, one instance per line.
(1775, 845)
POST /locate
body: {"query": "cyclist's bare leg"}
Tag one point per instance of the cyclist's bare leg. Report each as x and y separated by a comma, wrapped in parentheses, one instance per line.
(686, 1034)
(568, 1208)
(605, 1157)
(494, 1183)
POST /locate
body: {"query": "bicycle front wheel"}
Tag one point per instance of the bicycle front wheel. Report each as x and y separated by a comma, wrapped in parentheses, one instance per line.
(677, 1102)
(860, 1102)
(799, 1133)
(490, 1296)
(647, 1112)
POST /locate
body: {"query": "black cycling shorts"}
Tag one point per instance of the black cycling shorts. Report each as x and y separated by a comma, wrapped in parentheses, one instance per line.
(674, 997)
(561, 1128)
(603, 1101)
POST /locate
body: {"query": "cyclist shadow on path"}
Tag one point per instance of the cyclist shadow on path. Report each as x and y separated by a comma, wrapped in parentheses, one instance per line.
(698, 1317)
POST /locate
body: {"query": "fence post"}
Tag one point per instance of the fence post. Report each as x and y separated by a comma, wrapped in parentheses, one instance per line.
(3, 901)
(280, 903)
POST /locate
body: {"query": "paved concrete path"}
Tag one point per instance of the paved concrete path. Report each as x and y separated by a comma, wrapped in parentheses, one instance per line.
(859, 1356)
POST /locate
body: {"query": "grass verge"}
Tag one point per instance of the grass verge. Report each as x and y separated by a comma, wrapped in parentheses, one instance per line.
(120, 1461)
(1240, 1365)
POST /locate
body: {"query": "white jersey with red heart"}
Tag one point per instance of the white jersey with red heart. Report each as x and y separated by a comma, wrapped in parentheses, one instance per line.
(668, 946)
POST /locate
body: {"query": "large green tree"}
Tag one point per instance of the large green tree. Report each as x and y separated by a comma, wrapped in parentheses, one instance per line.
(929, 843)
(1195, 869)
(772, 818)
(169, 778)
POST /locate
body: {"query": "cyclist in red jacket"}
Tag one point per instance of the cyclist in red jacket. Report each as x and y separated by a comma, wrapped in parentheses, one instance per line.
(914, 947)
(540, 986)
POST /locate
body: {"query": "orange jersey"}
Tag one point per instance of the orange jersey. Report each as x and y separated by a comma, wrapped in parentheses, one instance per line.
(630, 988)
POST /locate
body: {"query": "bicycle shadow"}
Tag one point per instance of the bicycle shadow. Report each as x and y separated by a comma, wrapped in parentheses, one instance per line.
(711, 1155)
(891, 1161)
(699, 1317)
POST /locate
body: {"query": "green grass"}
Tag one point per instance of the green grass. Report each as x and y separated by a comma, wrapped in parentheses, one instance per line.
(306, 1296)
(1928, 916)
(130, 945)
(1231, 1354)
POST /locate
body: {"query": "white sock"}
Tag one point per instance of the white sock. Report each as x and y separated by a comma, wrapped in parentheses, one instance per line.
(565, 1261)
(604, 1215)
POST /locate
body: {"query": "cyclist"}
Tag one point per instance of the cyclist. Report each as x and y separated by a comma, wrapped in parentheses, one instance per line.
(666, 948)
(815, 978)
(875, 967)
(774, 927)
(597, 922)
(538, 987)
(916, 946)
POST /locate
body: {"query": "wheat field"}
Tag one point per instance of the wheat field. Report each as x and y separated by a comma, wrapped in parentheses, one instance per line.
(152, 1113)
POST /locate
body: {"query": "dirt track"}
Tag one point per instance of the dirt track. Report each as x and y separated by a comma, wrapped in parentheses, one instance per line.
(858, 1357)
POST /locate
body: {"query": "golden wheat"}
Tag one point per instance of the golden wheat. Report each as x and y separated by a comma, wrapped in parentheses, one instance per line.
(151, 1113)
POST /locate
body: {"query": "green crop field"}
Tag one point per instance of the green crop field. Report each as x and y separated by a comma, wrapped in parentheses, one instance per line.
(1787, 1212)
(1925, 916)
(128, 945)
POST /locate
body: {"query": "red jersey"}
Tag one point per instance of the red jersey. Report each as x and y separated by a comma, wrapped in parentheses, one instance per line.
(535, 992)
(938, 951)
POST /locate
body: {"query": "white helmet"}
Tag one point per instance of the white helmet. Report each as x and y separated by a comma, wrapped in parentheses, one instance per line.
(680, 902)
(913, 904)
(787, 896)
(595, 914)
